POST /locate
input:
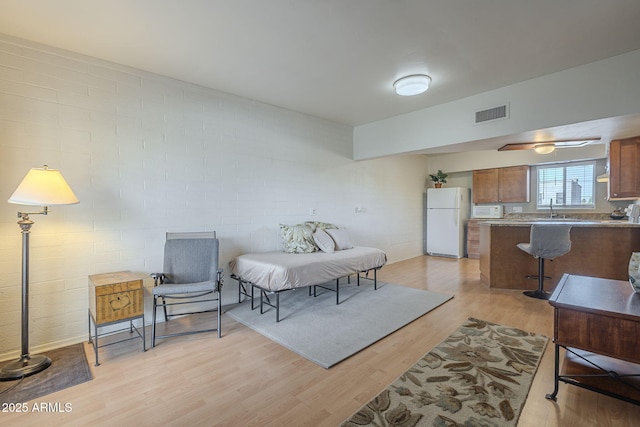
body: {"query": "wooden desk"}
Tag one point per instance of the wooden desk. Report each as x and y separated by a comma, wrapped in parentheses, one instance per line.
(597, 321)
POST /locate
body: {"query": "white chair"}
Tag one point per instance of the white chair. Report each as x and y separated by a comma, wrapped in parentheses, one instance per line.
(546, 242)
(191, 275)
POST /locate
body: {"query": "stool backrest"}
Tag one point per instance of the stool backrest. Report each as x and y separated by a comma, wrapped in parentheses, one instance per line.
(550, 241)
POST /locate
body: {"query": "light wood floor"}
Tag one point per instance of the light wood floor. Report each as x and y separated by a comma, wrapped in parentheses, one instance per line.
(244, 379)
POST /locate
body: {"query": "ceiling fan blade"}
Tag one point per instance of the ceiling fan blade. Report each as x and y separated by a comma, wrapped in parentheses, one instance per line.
(517, 146)
(560, 143)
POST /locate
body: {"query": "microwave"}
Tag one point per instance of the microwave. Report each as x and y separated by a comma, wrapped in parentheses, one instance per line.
(486, 211)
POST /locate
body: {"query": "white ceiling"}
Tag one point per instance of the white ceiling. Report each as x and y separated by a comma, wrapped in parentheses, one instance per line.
(336, 59)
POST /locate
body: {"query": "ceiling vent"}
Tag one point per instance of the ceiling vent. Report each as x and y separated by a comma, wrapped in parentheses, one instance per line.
(495, 113)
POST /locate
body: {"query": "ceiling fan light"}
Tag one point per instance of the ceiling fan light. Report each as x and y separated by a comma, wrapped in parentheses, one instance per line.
(412, 85)
(544, 148)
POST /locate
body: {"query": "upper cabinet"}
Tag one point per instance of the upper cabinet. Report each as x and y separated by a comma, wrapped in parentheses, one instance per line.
(624, 175)
(501, 185)
(485, 185)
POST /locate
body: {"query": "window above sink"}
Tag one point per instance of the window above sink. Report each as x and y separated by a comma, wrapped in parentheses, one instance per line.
(569, 185)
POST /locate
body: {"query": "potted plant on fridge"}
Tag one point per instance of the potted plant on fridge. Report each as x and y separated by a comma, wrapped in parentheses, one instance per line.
(439, 178)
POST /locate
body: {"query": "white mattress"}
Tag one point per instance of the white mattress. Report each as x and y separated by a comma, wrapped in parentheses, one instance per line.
(277, 271)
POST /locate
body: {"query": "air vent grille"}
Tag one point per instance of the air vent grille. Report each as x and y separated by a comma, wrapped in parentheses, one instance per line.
(499, 112)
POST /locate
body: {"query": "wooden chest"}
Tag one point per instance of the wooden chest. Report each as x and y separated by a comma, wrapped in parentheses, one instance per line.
(116, 296)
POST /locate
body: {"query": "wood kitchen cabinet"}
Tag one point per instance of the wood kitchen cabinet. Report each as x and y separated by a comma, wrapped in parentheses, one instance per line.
(598, 249)
(473, 239)
(624, 175)
(502, 185)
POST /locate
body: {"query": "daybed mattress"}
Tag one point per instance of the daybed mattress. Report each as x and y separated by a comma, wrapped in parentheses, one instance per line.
(277, 271)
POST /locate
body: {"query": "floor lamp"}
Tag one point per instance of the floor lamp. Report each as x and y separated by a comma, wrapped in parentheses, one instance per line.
(40, 187)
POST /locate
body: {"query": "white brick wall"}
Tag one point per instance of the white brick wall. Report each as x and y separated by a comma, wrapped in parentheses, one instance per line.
(147, 154)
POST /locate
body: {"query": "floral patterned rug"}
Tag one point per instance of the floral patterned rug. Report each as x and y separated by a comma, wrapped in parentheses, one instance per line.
(479, 376)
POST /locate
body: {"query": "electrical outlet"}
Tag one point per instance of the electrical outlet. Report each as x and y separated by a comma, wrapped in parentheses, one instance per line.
(312, 211)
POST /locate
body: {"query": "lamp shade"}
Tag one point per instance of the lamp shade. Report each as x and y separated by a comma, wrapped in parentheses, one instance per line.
(412, 85)
(43, 187)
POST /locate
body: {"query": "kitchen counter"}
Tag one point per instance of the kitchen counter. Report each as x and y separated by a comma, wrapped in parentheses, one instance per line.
(598, 249)
(574, 222)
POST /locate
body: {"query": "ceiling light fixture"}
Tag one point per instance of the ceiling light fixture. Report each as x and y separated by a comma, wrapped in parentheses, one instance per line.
(558, 143)
(544, 148)
(412, 85)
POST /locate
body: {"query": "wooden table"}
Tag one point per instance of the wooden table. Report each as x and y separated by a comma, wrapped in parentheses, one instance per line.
(115, 298)
(597, 322)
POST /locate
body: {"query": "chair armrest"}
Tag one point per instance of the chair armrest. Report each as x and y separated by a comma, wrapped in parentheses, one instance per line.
(219, 278)
(158, 278)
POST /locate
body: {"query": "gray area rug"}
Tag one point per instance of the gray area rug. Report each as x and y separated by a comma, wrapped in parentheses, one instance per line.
(69, 367)
(326, 333)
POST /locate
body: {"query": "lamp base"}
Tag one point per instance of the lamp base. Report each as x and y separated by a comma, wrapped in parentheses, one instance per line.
(25, 366)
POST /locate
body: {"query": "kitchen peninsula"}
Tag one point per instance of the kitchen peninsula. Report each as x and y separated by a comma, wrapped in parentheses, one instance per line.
(598, 249)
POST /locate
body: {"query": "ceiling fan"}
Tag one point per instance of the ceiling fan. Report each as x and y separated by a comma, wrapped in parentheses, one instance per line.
(546, 147)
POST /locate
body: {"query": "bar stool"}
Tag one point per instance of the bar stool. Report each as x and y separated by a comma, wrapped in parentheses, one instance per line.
(547, 241)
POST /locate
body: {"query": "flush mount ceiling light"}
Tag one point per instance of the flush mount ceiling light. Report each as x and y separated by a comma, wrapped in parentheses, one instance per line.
(412, 85)
(546, 147)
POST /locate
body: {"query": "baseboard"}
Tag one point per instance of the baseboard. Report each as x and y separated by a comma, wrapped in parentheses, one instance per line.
(40, 349)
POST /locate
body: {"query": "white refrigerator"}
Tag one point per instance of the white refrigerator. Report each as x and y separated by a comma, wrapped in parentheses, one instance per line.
(447, 212)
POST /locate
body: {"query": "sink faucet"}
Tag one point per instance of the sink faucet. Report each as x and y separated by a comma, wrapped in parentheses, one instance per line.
(551, 214)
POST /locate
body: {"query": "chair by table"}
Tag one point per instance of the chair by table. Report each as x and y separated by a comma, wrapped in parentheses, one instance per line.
(190, 275)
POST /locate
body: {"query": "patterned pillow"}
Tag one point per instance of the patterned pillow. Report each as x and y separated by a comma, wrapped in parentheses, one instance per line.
(324, 241)
(341, 238)
(315, 225)
(298, 238)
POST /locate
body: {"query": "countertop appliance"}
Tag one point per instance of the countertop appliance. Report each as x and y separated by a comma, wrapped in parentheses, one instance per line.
(488, 211)
(633, 211)
(447, 214)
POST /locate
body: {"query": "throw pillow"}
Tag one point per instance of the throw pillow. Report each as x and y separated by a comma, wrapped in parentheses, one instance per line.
(324, 241)
(297, 238)
(319, 225)
(341, 237)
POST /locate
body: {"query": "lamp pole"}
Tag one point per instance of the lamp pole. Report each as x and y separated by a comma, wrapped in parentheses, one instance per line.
(27, 364)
